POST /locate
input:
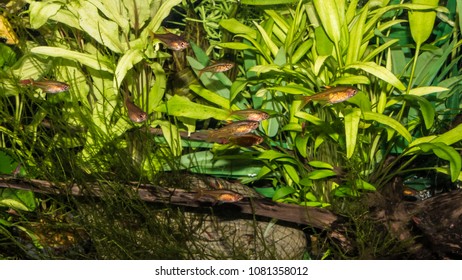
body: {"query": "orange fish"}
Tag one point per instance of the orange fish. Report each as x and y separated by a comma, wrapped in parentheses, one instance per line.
(220, 66)
(172, 41)
(135, 114)
(232, 129)
(246, 140)
(251, 115)
(46, 86)
(220, 196)
(331, 95)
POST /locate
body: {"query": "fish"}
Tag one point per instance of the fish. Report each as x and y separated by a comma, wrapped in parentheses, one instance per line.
(331, 95)
(219, 196)
(233, 129)
(251, 114)
(245, 140)
(47, 86)
(135, 114)
(172, 41)
(217, 67)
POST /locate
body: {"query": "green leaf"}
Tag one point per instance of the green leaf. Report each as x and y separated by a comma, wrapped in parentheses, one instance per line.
(266, 2)
(282, 192)
(351, 130)
(420, 91)
(385, 120)
(425, 107)
(321, 164)
(356, 37)
(329, 15)
(236, 46)
(40, 12)
(95, 62)
(156, 93)
(183, 107)
(421, 22)
(126, 62)
(17, 199)
(450, 137)
(320, 174)
(445, 152)
(236, 27)
(210, 96)
(104, 31)
(378, 71)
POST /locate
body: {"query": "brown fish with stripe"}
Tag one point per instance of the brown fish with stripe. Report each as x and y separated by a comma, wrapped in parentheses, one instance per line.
(331, 95)
(172, 41)
(217, 67)
(46, 86)
(251, 115)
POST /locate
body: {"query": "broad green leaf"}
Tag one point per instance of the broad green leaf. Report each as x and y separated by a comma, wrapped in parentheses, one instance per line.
(320, 174)
(126, 62)
(40, 12)
(282, 192)
(379, 50)
(420, 91)
(183, 107)
(156, 21)
(450, 137)
(98, 63)
(266, 2)
(17, 199)
(329, 15)
(445, 152)
(361, 184)
(210, 96)
(320, 164)
(293, 89)
(378, 71)
(236, 27)
(236, 46)
(292, 172)
(102, 30)
(156, 93)
(425, 107)
(351, 130)
(238, 85)
(392, 123)
(421, 22)
(115, 11)
(356, 37)
(269, 43)
(272, 155)
(301, 143)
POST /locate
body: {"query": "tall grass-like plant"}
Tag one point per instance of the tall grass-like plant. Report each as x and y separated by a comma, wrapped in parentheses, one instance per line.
(336, 149)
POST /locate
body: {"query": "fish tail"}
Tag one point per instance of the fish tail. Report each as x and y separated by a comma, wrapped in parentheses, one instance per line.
(27, 82)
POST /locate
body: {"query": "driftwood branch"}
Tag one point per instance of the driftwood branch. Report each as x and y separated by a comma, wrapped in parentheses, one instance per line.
(314, 217)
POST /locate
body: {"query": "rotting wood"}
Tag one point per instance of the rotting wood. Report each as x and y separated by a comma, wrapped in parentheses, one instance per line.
(310, 216)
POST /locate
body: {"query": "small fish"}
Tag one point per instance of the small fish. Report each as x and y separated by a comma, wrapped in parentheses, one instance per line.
(232, 129)
(220, 66)
(134, 112)
(220, 196)
(251, 115)
(246, 140)
(46, 86)
(173, 41)
(331, 95)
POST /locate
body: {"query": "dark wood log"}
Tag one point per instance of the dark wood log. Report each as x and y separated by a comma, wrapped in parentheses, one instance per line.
(311, 216)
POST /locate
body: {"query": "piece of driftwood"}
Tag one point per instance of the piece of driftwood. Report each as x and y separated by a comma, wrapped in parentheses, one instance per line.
(310, 216)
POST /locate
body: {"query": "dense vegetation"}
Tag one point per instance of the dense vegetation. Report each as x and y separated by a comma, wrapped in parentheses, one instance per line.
(401, 57)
